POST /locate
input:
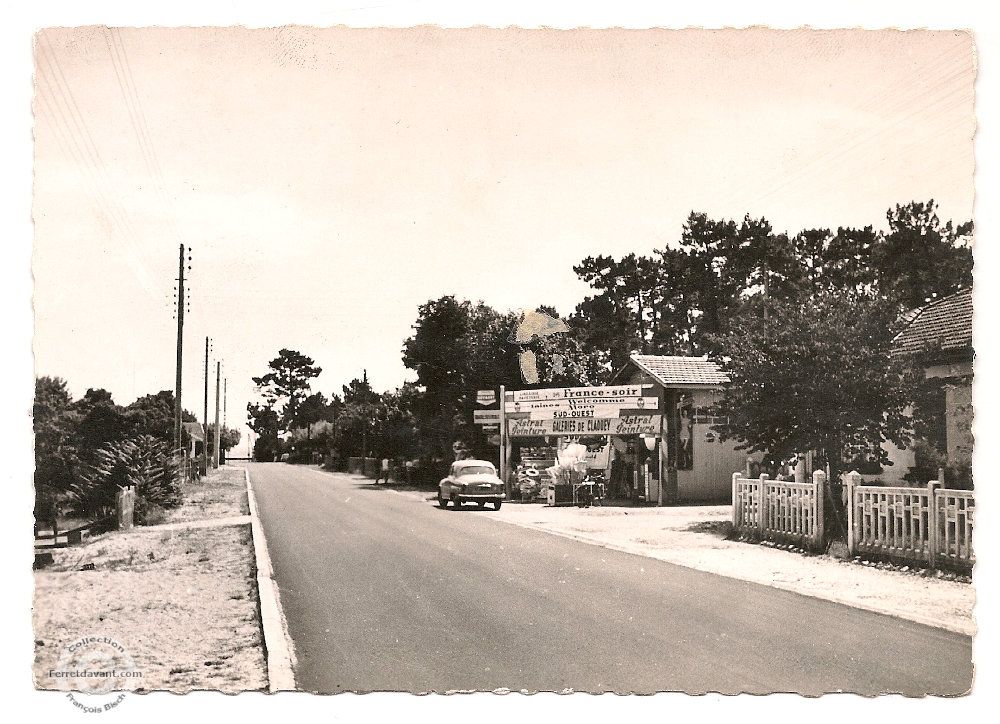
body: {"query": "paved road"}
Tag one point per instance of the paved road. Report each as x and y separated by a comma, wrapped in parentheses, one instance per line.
(383, 592)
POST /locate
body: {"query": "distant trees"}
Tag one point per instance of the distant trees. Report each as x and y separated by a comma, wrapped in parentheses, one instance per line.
(285, 386)
(228, 439)
(675, 300)
(284, 389)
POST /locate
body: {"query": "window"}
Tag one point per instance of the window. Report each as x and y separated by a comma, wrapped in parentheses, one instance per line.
(476, 470)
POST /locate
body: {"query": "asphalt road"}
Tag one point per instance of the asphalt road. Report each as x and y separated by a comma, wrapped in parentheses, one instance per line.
(386, 593)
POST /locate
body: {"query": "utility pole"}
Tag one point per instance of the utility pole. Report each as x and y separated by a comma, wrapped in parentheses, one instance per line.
(180, 350)
(204, 419)
(218, 373)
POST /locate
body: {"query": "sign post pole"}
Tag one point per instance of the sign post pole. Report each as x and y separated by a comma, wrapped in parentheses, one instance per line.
(503, 443)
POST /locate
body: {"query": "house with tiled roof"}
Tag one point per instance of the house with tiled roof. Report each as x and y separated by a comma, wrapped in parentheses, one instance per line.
(688, 457)
(939, 336)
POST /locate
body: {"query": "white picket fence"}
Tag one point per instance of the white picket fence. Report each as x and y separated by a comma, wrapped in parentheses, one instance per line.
(932, 524)
(780, 510)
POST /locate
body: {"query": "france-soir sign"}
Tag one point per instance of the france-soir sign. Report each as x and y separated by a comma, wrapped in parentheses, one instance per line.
(579, 393)
(625, 425)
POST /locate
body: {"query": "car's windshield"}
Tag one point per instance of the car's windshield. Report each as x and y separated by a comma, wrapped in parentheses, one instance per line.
(476, 470)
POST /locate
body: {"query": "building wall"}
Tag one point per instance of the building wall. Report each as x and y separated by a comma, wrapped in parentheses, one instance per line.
(958, 425)
(902, 460)
(959, 415)
(713, 461)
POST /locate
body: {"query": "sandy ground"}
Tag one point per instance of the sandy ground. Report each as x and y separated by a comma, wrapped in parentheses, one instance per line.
(695, 537)
(180, 598)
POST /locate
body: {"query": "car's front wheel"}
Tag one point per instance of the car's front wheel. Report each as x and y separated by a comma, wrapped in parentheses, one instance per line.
(496, 505)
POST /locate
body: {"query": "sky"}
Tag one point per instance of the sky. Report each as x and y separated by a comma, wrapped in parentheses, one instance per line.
(327, 189)
(329, 181)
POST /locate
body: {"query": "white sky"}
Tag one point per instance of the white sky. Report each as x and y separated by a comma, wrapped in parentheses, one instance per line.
(329, 187)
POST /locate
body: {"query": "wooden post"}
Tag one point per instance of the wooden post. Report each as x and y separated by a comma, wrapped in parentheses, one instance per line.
(819, 486)
(736, 500)
(660, 454)
(761, 516)
(933, 534)
(125, 507)
(851, 482)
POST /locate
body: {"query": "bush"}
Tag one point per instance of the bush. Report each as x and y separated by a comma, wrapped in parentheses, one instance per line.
(928, 459)
(143, 462)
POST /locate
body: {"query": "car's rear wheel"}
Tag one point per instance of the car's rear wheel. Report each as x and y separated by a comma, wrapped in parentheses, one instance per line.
(441, 500)
(496, 505)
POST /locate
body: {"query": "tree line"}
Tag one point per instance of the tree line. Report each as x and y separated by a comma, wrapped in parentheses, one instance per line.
(803, 324)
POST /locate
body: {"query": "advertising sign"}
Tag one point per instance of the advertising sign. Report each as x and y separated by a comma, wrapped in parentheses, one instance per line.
(592, 403)
(599, 458)
(625, 425)
(486, 397)
(579, 393)
(600, 411)
(486, 417)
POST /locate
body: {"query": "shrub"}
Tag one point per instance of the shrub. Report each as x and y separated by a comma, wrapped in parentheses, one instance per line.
(142, 462)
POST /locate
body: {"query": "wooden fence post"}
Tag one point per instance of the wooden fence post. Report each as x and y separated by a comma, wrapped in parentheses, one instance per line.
(736, 500)
(761, 514)
(933, 534)
(819, 492)
(851, 482)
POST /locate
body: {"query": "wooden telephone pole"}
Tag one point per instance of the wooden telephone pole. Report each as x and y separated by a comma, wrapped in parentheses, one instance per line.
(216, 458)
(178, 440)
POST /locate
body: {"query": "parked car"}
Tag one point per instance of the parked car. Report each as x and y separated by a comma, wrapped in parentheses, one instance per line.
(471, 481)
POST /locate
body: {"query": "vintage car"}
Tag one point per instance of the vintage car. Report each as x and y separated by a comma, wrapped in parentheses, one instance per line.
(471, 481)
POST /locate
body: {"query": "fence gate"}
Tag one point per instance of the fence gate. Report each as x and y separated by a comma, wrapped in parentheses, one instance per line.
(779, 509)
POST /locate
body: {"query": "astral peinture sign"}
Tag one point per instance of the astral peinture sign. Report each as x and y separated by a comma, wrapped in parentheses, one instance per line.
(625, 425)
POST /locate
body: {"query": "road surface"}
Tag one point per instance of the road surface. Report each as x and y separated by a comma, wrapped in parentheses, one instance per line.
(383, 592)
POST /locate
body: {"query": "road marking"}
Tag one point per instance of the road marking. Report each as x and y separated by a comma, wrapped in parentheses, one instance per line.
(277, 643)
